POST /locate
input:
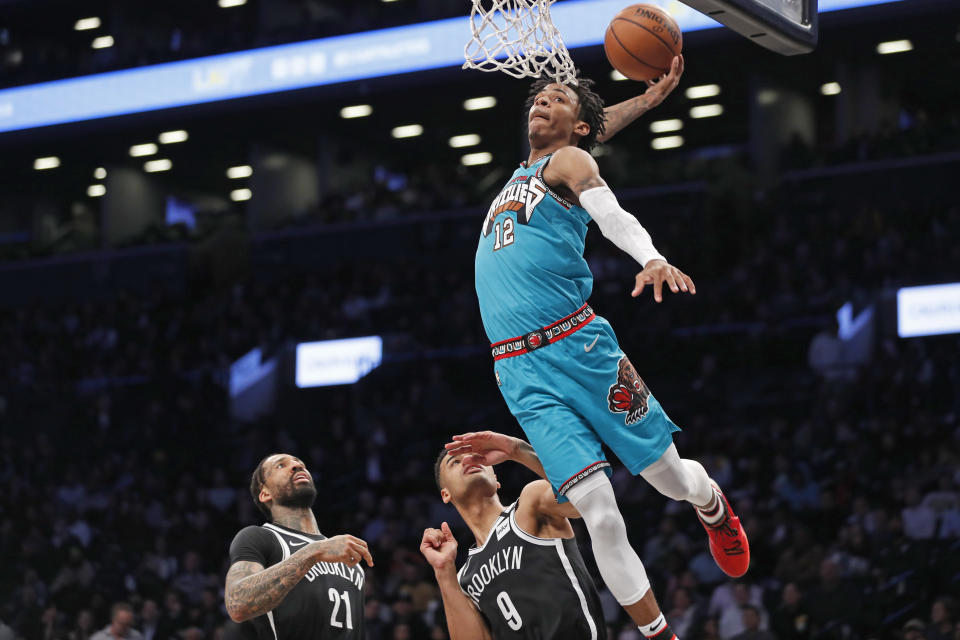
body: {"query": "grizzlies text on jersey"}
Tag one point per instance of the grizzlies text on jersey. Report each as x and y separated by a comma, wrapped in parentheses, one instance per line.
(327, 604)
(532, 588)
(529, 268)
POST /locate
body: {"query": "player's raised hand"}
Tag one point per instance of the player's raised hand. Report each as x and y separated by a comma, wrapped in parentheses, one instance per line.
(661, 87)
(347, 549)
(483, 447)
(439, 547)
(658, 272)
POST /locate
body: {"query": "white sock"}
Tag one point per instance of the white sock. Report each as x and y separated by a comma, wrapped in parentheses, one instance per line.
(654, 627)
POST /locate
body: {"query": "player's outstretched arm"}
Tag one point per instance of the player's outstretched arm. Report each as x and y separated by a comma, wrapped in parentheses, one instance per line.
(577, 171)
(539, 498)
(251, 590)
(618, 116)
(490, 448)
(464, 621)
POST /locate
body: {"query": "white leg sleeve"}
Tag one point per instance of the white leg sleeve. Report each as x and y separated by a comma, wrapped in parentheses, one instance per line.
(679, 479)
(618, 563)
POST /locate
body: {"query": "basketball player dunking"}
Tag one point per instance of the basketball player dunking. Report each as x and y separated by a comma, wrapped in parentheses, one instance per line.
(559, 365)
(524, 577)
(286, 580)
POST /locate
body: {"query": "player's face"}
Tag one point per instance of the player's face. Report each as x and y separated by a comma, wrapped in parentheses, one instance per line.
(462, 478)
(555, 115)
(287, 482)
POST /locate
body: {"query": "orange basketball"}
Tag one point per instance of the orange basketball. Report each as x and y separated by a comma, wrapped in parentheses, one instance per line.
(642, 41)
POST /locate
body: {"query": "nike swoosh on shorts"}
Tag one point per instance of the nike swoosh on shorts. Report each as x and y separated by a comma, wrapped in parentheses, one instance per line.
(588, 347)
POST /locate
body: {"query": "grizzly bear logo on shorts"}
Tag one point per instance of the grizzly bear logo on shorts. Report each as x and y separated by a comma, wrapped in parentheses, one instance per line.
(629, 394)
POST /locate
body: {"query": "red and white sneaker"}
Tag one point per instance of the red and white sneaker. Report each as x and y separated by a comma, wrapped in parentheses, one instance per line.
(728, 541)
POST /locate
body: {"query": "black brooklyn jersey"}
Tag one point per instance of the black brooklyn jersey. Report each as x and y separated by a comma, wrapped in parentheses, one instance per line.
(532, 588)
(327, 604)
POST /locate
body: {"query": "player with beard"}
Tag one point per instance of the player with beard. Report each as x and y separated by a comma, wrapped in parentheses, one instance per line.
(287, 581)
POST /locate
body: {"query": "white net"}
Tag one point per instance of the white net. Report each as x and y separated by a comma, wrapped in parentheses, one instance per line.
(518, 38)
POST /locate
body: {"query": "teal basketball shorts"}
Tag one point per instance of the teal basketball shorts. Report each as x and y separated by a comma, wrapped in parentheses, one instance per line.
(572, 389)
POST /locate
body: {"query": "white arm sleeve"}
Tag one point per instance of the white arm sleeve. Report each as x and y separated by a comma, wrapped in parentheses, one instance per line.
(620, 227)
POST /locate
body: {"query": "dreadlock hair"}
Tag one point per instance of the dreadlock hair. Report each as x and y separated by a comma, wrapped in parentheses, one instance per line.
(436, 468)
(591, 106)
(256, 485)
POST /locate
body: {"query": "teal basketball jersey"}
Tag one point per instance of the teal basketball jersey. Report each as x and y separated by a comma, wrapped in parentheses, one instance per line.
(529, 267)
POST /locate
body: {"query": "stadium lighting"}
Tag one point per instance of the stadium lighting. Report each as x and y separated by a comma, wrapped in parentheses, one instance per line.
(706, 111)
(172, 137)
(483, 102)
(617, 76)
(663, 126)
(96, 190)
(242, 171)
(356, 111)
(240, 195)
(154, 166)
(667, 142)
(472, 159)
(407, 131)
(49, 162)
(830, 88)
(85, 24)
(894, 46)
(102, 42)
(99, 173)
(146, 149)
(702, 91)
(466, 140)
(226, 4)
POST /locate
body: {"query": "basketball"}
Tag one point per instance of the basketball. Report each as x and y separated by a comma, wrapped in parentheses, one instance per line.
(642, 41)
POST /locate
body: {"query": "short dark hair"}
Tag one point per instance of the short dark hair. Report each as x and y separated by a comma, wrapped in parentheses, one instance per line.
(118, 607)
(591, 106)
(436, 468)
(256, 485)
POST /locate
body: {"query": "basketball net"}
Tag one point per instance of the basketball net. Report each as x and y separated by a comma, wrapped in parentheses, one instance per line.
(518, 38)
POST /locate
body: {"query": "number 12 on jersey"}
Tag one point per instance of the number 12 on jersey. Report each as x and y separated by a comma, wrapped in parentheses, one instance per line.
(503, 234)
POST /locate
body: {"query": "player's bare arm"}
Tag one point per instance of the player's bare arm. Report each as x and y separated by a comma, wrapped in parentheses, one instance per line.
(618, 116)
(539, 509)
(251, 590)
(577, 171)
(464, 621)
(491, 448)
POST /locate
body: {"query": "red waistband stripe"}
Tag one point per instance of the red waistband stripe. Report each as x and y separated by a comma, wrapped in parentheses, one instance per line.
(542, 337)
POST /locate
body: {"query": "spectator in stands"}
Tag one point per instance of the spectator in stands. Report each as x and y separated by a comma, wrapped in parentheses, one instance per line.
(790, 620)
(121, 625)
(751, 625)
(942, 616)
(149, 620)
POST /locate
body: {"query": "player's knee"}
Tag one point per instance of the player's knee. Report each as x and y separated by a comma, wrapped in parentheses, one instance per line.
(608, 527)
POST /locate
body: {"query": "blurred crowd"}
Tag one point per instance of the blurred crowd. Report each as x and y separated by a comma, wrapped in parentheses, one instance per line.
(125, 477)
(34, 49)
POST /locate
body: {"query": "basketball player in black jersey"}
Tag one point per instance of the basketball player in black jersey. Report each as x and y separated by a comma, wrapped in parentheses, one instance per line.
(286, 580)
(524, 578)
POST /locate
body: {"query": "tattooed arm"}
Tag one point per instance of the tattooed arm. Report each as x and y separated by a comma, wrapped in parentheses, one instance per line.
(618, 116)
(251, 590)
